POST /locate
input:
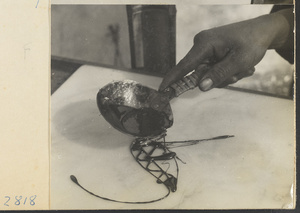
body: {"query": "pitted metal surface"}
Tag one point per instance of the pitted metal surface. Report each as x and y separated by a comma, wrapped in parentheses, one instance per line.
(126, 105)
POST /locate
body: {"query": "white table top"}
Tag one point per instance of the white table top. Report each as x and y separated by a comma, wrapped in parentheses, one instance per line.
(254, 169)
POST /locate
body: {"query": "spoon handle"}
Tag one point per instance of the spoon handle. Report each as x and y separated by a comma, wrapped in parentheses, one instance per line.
(188, 82)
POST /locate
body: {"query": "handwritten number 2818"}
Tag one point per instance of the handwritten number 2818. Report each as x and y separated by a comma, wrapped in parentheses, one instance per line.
(18, 200)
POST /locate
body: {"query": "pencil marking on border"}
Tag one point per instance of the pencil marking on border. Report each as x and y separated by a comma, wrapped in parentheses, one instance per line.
(37, 3)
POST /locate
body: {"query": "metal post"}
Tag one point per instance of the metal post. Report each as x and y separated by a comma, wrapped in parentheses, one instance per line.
(152, 32)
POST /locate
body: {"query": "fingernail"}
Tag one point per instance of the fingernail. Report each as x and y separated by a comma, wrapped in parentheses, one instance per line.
(206, 84)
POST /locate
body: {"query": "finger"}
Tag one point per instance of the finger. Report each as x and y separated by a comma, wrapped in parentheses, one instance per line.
(202, 69)
(231, 80)
(248, 73)
(237, 77)
(186, 65)
(221, 71)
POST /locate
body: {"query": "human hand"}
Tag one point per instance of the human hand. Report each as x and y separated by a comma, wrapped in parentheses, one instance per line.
(231, 51)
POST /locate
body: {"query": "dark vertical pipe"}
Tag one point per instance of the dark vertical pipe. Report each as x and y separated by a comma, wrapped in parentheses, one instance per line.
(152, 31)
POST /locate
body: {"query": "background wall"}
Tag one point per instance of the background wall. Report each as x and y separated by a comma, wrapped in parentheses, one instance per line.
(99, 34)
(91, 33)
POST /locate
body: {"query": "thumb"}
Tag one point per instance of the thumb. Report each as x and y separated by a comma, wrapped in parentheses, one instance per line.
(220, 72)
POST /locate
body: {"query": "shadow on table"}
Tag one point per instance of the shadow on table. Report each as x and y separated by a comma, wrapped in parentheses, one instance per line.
(81, 122)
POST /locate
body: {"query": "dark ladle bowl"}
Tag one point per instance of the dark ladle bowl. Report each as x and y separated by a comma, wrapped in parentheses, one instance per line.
(126, 106)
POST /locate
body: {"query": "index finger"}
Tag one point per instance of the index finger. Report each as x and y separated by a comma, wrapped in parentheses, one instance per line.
(197, 55)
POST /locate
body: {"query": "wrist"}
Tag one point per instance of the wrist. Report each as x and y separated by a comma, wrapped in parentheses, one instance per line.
(283, 28)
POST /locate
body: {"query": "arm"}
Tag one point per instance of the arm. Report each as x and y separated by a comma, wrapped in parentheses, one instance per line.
(232, 50)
